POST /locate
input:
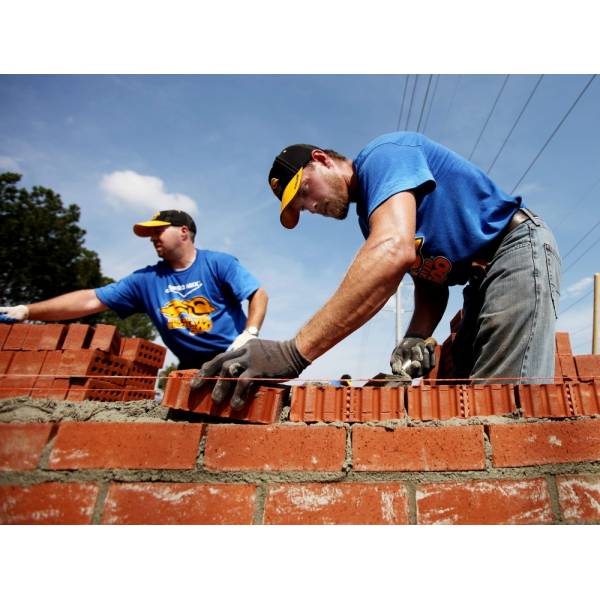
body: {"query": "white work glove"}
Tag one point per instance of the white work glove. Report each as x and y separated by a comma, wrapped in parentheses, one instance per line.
(15, 313)
(241, 339)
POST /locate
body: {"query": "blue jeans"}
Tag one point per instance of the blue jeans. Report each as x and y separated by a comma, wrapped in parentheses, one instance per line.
(510, 311)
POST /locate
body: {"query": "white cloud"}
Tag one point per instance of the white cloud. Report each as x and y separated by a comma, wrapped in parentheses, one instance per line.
(9, 164)
(579, 287)
(143, 192)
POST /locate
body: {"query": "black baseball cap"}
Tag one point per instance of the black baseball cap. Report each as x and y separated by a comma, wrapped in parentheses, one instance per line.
(177, 218)
(285, 177)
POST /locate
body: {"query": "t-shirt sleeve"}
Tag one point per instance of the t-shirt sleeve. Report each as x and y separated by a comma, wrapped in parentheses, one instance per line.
(392, 168)
(122, 296)
(239, 281)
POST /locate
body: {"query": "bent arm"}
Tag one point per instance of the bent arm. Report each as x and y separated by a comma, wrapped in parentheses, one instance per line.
(431, 300)
(257, 308)
(374, 275)
(68, 306)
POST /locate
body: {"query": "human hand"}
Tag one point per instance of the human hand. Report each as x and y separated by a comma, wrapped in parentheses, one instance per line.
(14, 313)
(414, 356)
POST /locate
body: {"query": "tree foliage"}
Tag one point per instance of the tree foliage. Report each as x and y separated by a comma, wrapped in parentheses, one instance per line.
(42, 253)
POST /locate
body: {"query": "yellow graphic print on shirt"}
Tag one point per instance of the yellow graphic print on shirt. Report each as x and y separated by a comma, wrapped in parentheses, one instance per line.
(192, 314)
(432, 268)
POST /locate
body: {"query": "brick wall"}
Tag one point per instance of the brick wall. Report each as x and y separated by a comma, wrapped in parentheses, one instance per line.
(438, 453)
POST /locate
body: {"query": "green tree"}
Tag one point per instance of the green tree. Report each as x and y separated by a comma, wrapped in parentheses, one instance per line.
(42, 253)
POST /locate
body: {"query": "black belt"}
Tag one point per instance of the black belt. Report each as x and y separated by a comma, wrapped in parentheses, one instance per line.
(479, 265)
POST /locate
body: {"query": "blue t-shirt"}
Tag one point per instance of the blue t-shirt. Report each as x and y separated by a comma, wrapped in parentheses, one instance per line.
(460, 210)
(197, 311)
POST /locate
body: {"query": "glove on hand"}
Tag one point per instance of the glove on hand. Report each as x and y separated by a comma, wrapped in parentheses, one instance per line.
(419, 355)
(240, 340)
(255, 359)
(15, 313)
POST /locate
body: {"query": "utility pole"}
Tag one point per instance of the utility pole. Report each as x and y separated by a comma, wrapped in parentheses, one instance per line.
(399, 314)
(595, 333)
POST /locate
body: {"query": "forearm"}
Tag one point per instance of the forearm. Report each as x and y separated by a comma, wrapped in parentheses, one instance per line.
(257, 308)
(370, 281)
(431, 300)
(68, 306)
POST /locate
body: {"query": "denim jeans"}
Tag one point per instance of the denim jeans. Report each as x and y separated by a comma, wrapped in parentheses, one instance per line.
(510, 311)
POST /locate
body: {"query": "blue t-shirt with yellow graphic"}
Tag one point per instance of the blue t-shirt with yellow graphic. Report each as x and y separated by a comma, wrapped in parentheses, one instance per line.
(460, 210)
(197, 311)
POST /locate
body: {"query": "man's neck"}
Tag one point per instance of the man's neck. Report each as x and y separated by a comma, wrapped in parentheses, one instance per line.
(184, 261)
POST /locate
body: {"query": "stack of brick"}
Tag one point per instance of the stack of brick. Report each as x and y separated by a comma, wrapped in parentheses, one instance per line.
(76, 362)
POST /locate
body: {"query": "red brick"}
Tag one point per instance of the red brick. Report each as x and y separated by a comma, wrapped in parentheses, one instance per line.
(446, 363)
(21, 445)
(456, 321)
(4, 331)
(143, 352)
(93, 389)
(106, 338)
(547, 400)
(434, 373)
(263, 405)
(588, 397)
(6, 357)
(567, 366)
(45, 381)
(588, 366)
(22, 374)
(93, 363)
(526, 444)
(16, 336)
(78, 337)
(562, 343)
(59, 389)
(489, 502)
(337, 504)
(48, 504)
(45, 337)
(376, 404)
(274, 448)
(180, 504)
(126, 446)
(455, 448)
(426, 402)
(140, 382)
(579, 497)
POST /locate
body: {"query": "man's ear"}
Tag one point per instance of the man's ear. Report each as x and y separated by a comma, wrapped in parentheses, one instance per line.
(321, 157)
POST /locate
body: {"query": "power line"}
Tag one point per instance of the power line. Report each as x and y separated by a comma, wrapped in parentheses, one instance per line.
(402, 104)
(411, 102)
(451, 104)
(489, 116)
(571, 210)
(515, 123)
(424, 102)
(581, 255)
(581, 240)
(587, 85)
(562, 312)
(435, 87)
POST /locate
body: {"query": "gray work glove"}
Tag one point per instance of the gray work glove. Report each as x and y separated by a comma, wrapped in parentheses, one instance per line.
(413, 356)
(14, 313)
(255, 359)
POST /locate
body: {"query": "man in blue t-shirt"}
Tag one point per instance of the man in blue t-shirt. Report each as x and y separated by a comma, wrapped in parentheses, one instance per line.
(192, 296)
(426, 211)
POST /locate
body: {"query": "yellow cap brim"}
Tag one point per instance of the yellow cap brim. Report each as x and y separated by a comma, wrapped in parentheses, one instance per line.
(146, 229)
(288, 215)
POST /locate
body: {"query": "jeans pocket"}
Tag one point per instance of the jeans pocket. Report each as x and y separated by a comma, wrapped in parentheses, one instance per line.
(553, 271)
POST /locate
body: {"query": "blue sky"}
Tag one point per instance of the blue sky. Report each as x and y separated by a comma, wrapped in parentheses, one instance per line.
(122, 147)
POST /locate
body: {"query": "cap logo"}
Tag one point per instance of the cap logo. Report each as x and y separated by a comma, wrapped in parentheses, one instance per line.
(155, 217)
(275, 184)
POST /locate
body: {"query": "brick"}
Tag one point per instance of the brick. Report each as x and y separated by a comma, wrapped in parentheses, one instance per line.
(93, 363)
(488, 502)
(78, 337)
(579, 497)
(418, 448)
(492, 399)
(426, 402)
(588, 397)
(547, 400)
(93, 389)
(45, 337)
(337, 504)
(446, 363)
(6, 357)
(16, 336)
(434, 373)
(106, 338)
(140, 383)
(274, 448)
(567, 366)
(58, 389)
(4, 331)
(346, 404)
(180, 504)
(48, 504)
(21, 445)
(263, 405)
(456, 321)
(45, 381)
(588, 366)
(126, 446)
(562, 343)
(22, 374)
(143, 352)
(526, 444)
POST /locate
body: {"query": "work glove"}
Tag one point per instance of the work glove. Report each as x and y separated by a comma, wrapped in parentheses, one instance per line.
(240, 340)
(14, 313)
(255, 359)
(413, 356)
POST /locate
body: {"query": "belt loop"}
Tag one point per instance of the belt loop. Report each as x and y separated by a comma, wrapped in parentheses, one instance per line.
(532, 217)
